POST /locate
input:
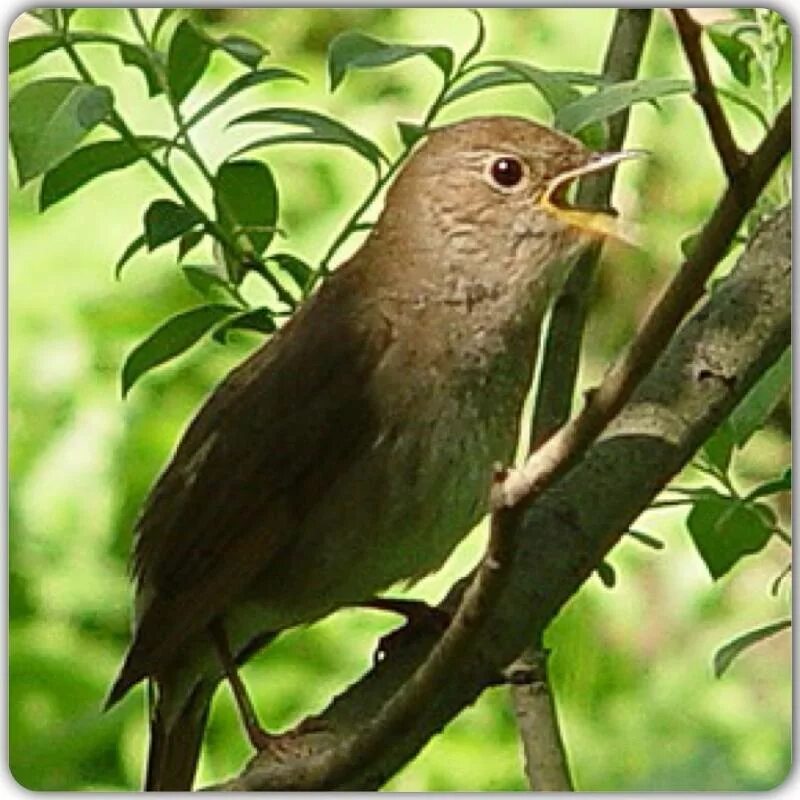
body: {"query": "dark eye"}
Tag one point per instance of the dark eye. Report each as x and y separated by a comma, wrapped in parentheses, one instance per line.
(507, 171)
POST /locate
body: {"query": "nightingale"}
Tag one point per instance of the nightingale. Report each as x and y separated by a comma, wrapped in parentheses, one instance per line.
(355, 449)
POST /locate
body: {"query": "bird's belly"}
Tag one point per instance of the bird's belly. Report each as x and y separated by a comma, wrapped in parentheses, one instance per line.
(415, 496)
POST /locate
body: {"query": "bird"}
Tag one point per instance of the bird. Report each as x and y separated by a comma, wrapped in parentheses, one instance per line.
(355, 448)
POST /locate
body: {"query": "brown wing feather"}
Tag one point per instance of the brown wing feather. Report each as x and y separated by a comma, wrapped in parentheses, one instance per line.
(256, 454)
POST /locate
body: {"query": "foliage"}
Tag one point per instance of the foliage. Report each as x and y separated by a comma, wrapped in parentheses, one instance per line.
(230, 224)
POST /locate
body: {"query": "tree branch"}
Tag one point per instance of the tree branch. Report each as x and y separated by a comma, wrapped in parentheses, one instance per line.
(690, 32)
(603, 403)
(557, 542)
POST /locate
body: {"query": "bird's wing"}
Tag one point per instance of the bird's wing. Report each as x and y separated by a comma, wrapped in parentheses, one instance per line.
(268, 442)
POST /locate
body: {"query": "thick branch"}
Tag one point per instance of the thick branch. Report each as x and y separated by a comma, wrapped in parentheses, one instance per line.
(690, 32)
(559, 540)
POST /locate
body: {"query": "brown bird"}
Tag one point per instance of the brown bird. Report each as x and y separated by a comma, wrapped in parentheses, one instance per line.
(355, 448)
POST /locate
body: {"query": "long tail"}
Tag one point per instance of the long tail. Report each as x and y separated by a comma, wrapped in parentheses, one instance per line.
(175, 750)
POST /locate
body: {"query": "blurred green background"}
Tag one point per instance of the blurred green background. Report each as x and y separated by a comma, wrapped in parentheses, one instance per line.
(631, 666)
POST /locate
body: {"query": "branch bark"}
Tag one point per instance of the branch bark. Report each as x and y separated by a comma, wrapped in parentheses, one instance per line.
(557, 542)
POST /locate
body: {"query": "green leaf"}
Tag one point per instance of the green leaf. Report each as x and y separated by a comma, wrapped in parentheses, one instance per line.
(607, 574)
(48, 118)
(507, 77)
(718, 448)
(189, 241)
(609, 100)
(725, 656)
(353, 50)
(318, 128)
(239, 84)
(410, 133)
(297, 269)
(206, 280)
(646, 539)
(25, 51)
(130, 251)
(166, 220)
(170, 339)
(776, 486)
(737, 53)
(187, 59)
(163, 17)
(245, 51)
(246, 202)
(759, 403)
(725, 530)
(90, 162)
(47, 15)
(257, 319)
(134, 56)
(554, 88)
(480, 38)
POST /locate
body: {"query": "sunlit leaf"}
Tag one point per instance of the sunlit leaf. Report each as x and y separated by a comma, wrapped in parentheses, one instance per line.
(725, 530)
(353, 50)
(89, 162)
(48, 118)
(725, 656)
(170, 339)
(246, 202)
(29, 49)
(166, 220)
(317, 128)
(238, 85)
(187, 59)
(610, 99)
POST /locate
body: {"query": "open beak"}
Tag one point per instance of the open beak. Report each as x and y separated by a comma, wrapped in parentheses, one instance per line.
(596, 222)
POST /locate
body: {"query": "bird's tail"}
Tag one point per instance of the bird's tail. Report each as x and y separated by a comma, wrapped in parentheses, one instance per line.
(175, 743)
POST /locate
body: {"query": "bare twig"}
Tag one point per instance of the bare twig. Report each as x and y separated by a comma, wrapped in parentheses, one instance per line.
(690, 32)
(603, 403)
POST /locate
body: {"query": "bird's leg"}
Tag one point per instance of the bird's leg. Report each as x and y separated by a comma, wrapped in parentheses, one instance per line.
(259, 738)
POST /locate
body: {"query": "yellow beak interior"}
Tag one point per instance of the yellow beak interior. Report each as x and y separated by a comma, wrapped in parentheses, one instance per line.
(594, 222)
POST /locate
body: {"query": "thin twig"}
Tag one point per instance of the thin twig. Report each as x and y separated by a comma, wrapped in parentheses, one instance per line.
(603, 403)
(690, 32)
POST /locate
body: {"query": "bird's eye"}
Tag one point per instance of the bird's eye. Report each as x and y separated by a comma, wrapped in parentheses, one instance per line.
(507, 171)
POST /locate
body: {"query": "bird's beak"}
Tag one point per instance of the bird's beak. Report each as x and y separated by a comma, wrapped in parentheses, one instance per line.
(595, 222)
